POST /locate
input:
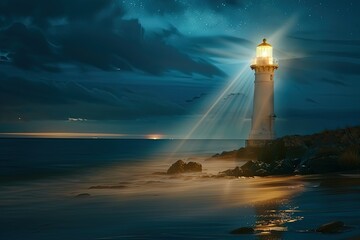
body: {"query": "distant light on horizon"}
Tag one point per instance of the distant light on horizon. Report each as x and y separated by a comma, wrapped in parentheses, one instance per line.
(154, 136)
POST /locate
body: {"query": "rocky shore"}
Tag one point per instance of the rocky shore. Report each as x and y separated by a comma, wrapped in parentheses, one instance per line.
(328, 151)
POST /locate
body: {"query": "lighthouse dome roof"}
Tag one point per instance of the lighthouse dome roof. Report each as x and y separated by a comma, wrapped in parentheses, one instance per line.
(264, 43)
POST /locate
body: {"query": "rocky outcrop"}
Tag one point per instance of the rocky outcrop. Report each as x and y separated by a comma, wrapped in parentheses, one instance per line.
(240, 154)
(182, 167)
(332, 227)
(329, 151)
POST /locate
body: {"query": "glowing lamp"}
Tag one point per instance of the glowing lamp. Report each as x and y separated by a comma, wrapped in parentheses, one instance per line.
(264, 54)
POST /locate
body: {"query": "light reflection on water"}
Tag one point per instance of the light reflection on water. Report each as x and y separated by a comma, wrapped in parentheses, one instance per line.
(133, 203)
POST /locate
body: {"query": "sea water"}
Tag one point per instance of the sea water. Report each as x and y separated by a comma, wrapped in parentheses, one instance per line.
(117, 189)
(30, 158)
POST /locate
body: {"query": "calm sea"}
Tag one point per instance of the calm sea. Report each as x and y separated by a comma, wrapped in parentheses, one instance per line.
(32, 158)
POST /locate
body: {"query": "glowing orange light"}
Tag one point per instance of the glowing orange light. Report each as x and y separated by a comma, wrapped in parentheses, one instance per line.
(154, 136)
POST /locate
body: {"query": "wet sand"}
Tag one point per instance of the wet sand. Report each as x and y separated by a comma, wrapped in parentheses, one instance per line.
(131, 202)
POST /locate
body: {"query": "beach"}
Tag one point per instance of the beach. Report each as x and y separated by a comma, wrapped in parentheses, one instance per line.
(120, 192)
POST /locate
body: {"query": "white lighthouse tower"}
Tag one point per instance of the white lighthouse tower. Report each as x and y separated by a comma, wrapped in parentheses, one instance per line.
(262, 125)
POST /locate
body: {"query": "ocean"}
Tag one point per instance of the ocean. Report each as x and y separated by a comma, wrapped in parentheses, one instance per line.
(116, 189)
(31, 158)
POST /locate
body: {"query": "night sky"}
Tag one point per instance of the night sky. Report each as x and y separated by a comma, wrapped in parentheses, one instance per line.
(175, 68)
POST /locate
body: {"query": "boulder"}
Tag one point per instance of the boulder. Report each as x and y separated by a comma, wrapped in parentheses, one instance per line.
(193, 167)
(249, 169)
(285, 166)
(177, 167)
(332, 227)
(182, 167)
(261, 172)
(236, 172)
(243, 230)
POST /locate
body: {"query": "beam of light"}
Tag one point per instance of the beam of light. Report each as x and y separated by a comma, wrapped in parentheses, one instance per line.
(279, 34)
(216, 106)
(219, 114)
(282, 31)
(221, 96)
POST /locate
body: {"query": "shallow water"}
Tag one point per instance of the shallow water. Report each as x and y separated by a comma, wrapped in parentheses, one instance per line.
(129, 201)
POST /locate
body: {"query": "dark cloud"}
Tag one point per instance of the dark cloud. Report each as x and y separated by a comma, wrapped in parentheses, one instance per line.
(16, 91)
(354, 54)
(27, 47)
(328, 41)
(97, 46)
(338, 67)
(43, 11)
(321, 113)
(215, 41)
(45, 100)
(221, 46)
(163, 7)
(310, 100)
(128, 49)
(334, 82)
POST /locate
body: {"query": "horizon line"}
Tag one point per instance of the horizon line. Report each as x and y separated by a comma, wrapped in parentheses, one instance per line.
(71, 135)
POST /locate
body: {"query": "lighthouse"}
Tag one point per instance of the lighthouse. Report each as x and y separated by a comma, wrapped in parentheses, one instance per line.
(263, 117)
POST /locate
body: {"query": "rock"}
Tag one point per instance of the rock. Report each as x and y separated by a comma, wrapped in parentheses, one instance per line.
(83, 195)
(193, 167)
(177, 167)
(181, 167)
(285, 166)
(325, 152)
(242, 153)
(236, 172)
(332, 227)
(261, 172)
(243, 230)
(249, 169)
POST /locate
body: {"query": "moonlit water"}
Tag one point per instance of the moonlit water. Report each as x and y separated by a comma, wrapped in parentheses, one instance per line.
(112, 189)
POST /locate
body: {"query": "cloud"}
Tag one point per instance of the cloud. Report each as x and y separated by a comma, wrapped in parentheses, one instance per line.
(334, 82)
(336, 66)
(42, 12)
(129, 49)
(310, 100)
(27, 48)
(124, 48)
(163, 7)
(215, 41)
(45, 100)
(342, 54)
(328, 41)
(321, 113)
